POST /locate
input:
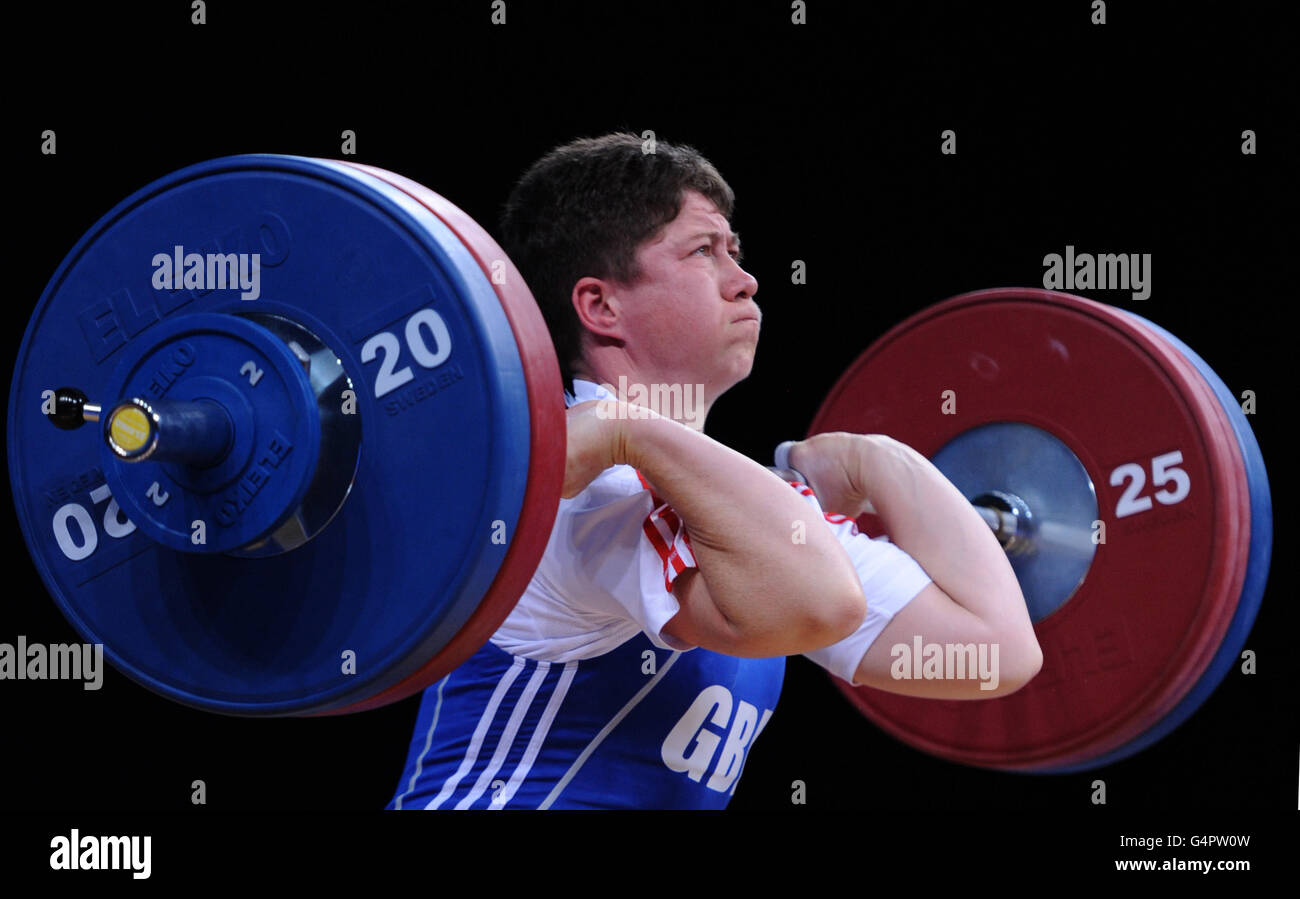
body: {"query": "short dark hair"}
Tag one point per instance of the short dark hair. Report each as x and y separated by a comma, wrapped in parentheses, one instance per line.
(584, 208)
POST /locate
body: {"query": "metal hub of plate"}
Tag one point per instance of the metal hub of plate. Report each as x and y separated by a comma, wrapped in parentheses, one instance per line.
(340, 440)
(1054, 543)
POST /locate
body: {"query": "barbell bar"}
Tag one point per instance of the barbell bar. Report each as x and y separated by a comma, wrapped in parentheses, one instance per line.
(259, 524)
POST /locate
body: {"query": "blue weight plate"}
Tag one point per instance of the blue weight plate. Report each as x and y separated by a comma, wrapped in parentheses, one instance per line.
(1252, 591)
(252, 375)
(443, 464)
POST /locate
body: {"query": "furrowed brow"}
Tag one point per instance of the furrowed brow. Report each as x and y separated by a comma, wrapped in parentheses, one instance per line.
(711, 236)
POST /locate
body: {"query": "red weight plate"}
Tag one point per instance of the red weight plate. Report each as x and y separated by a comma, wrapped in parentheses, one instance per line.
(1237, 553)
(547, 444)
(1159, 594)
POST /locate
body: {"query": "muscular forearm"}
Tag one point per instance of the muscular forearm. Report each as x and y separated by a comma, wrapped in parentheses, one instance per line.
(926, 516)
(765, 572)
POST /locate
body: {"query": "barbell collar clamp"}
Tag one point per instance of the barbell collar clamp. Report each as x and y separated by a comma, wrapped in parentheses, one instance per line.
(72, 409)
(1009, 517)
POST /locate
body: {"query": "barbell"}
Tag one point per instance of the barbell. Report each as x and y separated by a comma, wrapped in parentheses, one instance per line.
(329, 447)
(1143, 514)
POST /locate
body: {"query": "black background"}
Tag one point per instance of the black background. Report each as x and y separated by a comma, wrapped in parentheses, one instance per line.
(1116, 138)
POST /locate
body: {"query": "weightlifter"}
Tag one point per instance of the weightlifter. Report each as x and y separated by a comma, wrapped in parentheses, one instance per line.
(647, 654)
